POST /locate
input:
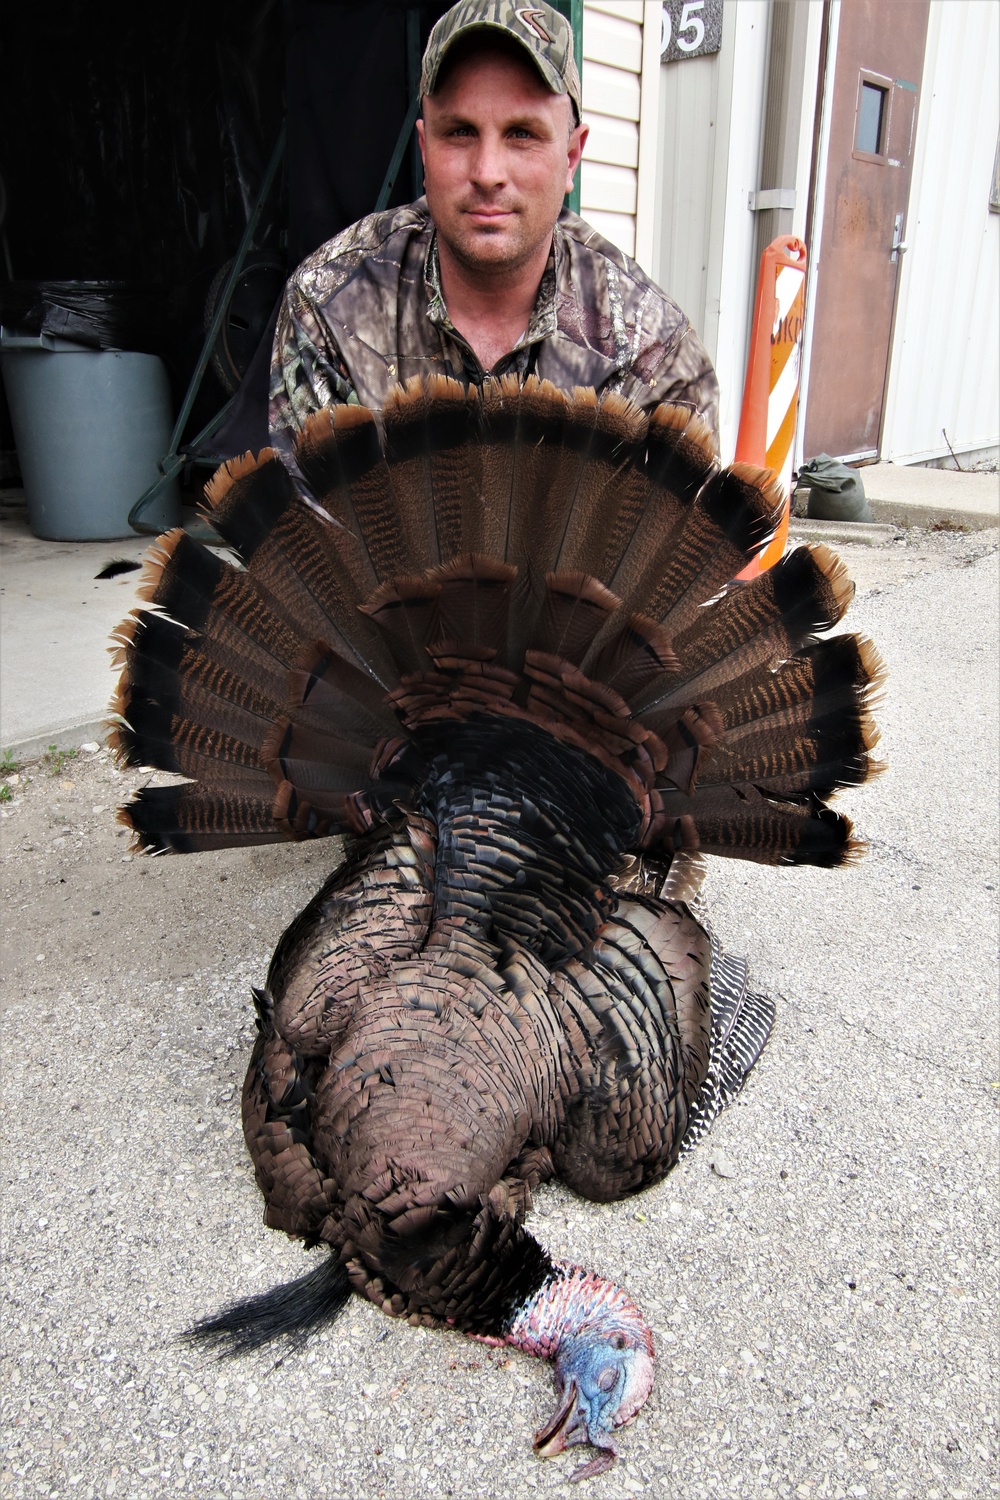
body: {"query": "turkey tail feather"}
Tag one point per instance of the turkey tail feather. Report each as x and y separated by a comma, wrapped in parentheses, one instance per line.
(311, 570)
(759, 624)
(668, 471)
(186, 818)
(434, 463)
(734, 517)
(808, 726)
(519, 554)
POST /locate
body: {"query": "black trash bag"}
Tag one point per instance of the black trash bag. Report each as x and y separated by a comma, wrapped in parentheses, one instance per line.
(97, 314)
(836, 492)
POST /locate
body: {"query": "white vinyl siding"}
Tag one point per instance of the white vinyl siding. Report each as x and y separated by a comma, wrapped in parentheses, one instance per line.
(614, 188)
(613, 36)
(615, 142)
(617, 101)
(610, 91)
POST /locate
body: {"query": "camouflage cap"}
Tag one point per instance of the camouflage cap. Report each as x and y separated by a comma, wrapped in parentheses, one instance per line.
(545, 35)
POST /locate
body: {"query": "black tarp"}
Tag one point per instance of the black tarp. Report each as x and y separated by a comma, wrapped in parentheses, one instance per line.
(347, 95)
(144, 131)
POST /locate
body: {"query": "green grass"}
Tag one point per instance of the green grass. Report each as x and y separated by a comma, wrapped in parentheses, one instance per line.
(6, 795)
(8, 763)
(56, 759)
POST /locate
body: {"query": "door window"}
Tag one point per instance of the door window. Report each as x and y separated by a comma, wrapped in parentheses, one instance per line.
(871, 126)
(871, 112)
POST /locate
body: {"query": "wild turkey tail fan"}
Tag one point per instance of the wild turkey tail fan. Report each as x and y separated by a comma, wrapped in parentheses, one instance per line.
(563, 560)
(215, 677)
(786, 719)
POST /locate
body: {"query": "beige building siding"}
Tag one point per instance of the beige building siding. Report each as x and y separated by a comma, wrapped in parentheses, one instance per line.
(620, 102)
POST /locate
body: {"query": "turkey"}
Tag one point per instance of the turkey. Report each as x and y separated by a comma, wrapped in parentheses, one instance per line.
(491, 639)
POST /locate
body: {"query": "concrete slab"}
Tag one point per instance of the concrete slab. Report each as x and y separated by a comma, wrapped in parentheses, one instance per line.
(837, 533)
(824, 1318)
(904, 495)
(56, 676)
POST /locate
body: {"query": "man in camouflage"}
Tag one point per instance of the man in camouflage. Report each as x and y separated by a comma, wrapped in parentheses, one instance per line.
(488, 274)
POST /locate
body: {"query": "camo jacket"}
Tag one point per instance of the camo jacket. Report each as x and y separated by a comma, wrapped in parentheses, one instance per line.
(365, 311)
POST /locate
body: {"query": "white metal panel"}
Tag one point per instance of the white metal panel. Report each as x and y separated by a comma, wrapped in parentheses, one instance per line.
(807, 119)
(612, 189)
(945, 370)
(807, 133)
(610, 91)
(688, 99)
(630, 10)
(711, 110)
(732, 237)
(649, 137)
(613, 140)
(819, 211)
(618, 228)
(614, 40)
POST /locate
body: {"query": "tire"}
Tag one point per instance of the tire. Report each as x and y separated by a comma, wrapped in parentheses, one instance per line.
(251, 303)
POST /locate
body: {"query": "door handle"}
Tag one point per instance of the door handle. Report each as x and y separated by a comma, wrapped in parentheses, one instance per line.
(899, 246)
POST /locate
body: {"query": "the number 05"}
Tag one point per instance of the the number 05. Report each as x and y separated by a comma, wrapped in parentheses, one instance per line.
(690, 22)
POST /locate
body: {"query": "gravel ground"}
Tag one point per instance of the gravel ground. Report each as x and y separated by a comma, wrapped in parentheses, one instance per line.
(823, 1298)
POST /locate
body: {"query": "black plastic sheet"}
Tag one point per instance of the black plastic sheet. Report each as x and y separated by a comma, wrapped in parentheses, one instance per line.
(144, 133)
(97, 314)
(347, 97)
(347, 93)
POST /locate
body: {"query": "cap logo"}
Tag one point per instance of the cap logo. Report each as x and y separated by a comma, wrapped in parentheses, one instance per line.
(532, 20)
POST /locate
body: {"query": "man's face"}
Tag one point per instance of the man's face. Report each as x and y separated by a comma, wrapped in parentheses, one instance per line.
(499, 152)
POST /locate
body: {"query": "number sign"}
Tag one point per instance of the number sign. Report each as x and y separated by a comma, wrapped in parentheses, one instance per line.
(690, 28)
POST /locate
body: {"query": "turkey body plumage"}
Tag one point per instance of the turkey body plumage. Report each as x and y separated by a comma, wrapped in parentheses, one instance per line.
(495, 648)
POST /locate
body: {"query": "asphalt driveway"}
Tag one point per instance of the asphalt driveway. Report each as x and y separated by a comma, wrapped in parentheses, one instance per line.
(823, 1299)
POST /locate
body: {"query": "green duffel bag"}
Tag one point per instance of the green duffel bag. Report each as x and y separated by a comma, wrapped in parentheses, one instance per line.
(836, 492)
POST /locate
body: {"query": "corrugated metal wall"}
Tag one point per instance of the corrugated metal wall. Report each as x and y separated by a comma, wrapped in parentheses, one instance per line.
(945, 371)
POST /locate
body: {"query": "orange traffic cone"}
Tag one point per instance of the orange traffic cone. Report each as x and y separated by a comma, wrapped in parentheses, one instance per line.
(770, 395)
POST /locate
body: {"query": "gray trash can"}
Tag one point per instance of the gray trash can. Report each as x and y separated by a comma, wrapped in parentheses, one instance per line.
(90, 427)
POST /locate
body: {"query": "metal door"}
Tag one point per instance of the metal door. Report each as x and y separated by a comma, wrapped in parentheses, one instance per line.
(879, 62)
